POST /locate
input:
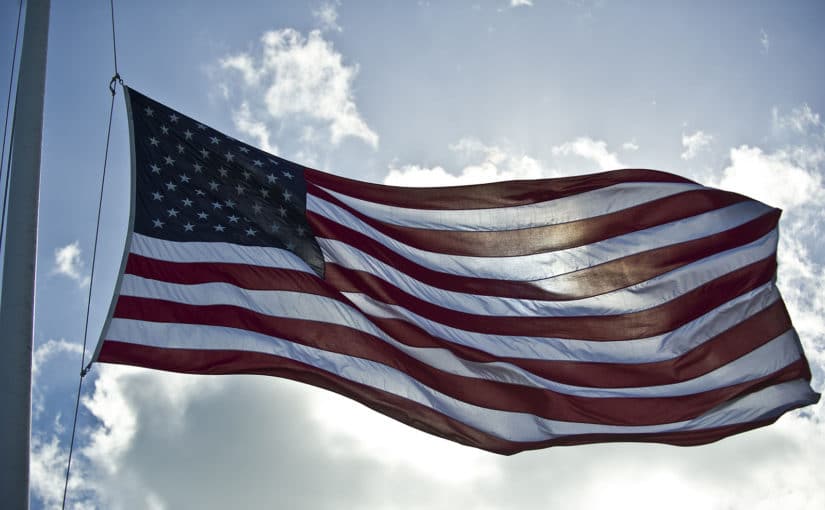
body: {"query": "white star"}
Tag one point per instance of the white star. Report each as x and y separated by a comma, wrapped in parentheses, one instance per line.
(257, 208)
(173, 213)
(200, 192)
(290, 246)
(184, 178)
(287, 195)
(251, 232)
(155, 168)
(157, 196)
(265, 192)
(233, 219)
(202, 215)
(288, 175)
(154, 141)
(171, 186)
(213, 185)
(273, 161)
(217, 205)
(274, 227)
(173, 118)
(239, 189)
(149, 112)
(215, 140)
(258, 163)
(188, 134)
(243, 149)
(282, 211)
(223, 171)
(169, 160)
(201, 126)
(180, 149)
(271, 178)
(204, 153)
(219, 228)
(187, 202)
(301, 231)
(229, 203)
(164, 129)
(229, 156)
(157, 223)
(246, 174)
(188, 227)
(198, 168)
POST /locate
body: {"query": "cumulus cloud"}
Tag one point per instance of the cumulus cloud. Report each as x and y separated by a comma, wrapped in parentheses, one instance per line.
(521, 3)
(326, 15)
(68, 262)
(695, 143)
(590, 149)
(488, 163)
(301, 78)
(776, 178)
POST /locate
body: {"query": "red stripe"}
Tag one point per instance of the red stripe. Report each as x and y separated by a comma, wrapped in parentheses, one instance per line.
(725, 347)
(591, 281)
(526, 241)
(481, 196)
(650, 322)
(403, 410)
(484, 393)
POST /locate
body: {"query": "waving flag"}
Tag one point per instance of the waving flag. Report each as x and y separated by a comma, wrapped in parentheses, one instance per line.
(631, 305)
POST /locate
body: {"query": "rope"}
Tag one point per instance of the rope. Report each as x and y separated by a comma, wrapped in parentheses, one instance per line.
(84, 369)
(7, 173)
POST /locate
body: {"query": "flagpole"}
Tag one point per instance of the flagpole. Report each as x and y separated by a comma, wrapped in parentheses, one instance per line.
(20, 249)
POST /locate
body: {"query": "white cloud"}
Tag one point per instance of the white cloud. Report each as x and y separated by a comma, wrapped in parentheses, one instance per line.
(630, 146)
(68, 262)
(489, 163)
(695, 143)
(521, 3)
(327, 16)
(764, 40)
(775, 178)
(593, 150)
(247, 124)
(802, 120)
(299, 78)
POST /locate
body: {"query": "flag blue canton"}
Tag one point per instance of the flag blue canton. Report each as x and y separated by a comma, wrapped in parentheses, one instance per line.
(194, 183)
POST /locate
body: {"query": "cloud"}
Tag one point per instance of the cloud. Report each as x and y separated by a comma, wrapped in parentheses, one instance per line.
(521, 3)
(327, 16)
(259, 131)
(68, 262)
(301, 78)
(695, 143)
(488, 164)
(801, 120)
(593, 150)
(764, 40)
(630, 146)
(778, 178)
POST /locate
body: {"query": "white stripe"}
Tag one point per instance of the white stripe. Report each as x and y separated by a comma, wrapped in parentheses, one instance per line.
(655, 348)
(229, 253)
(545, 265)
(296, 305)
(513, 426)
(638, 297)
(561, 210)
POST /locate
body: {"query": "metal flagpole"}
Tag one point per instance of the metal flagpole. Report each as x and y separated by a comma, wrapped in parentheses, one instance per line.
(20, 246)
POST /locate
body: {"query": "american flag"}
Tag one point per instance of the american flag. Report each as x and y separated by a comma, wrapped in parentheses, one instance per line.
(631, 305)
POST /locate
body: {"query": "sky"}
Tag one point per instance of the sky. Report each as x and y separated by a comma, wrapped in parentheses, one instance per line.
(414, 93)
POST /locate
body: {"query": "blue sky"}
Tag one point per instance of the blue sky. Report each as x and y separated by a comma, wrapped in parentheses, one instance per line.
(416, 93)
